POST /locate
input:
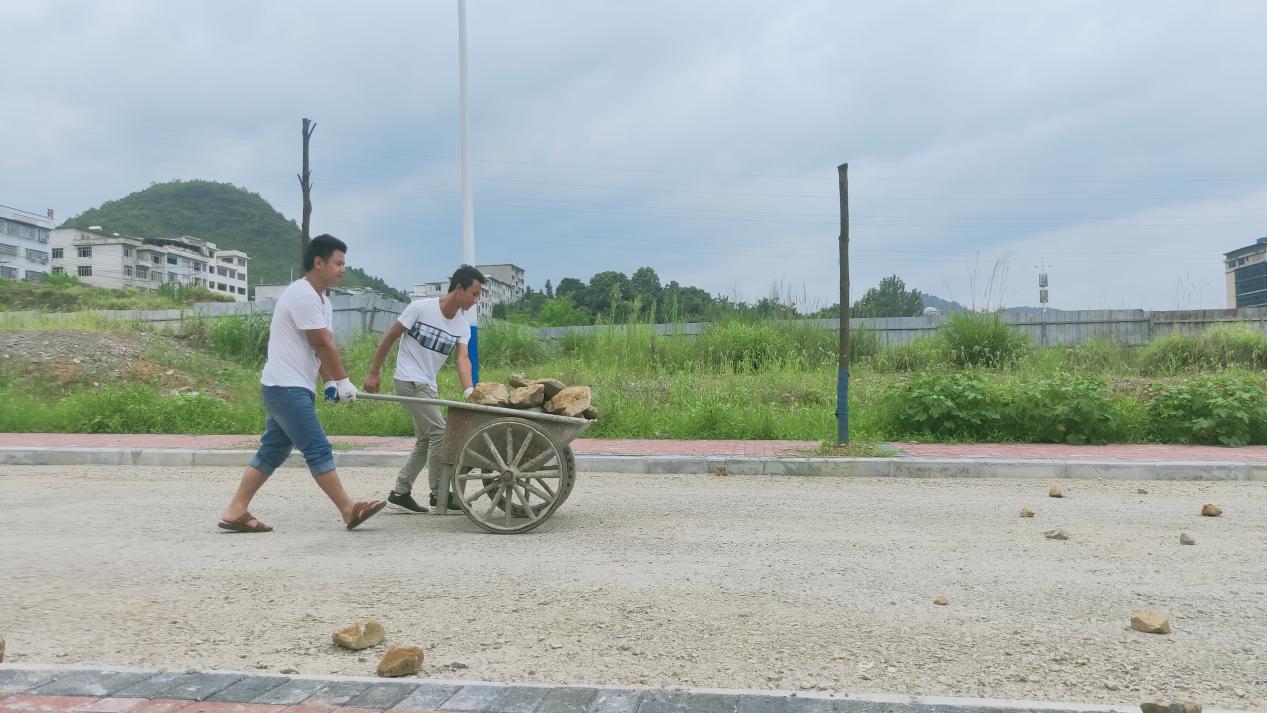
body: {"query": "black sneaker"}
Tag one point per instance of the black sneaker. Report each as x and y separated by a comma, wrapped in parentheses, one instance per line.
(454, 505)
(404, 502)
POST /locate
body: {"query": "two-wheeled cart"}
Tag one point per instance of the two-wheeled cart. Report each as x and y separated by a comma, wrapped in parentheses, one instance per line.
(509, 469)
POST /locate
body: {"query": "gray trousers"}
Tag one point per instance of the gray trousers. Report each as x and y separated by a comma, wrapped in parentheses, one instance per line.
(429, 430)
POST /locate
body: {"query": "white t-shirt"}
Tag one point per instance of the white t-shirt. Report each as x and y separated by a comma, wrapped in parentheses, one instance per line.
(291, 359)
(428, 340)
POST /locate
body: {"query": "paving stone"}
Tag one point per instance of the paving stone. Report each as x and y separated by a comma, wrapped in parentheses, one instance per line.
(161, 705)
(614, 700)
(337, 693)
(472, 698)
(797, 704)
(567, 700)
(19, 681)
(77, 683)
(518, 699)
(291, 692)
(41, 704)
(197, 686)
(248, 689)
(664, 701)
(427, 697)
(380, 696)
(227, 707)
(151, 687)
(111, 705)
(763, 704)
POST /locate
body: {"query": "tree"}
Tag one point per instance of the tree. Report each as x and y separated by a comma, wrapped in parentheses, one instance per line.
(569, 286)
(560, 312)
(549, 290)
(605, 291)
(645, 284)
(889, 299)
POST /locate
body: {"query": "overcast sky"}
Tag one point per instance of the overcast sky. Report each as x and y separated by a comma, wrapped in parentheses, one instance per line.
(1122, 144)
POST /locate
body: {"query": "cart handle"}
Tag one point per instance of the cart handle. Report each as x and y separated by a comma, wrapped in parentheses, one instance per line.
(532, 415)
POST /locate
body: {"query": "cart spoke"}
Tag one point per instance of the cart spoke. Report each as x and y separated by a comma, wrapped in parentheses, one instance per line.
(482, 491)
(538, 460)
(510, 441)
(472, 454)
(473, 476)
(545, 485)
(519, 456)
(523, 496)
(536, 491)
(501, 464)
(508, 506)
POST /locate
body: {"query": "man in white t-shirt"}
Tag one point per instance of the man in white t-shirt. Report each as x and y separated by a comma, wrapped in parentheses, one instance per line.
(432, 328)
(301, 346)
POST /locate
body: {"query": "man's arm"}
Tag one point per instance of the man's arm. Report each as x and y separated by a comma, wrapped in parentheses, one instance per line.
(322, 342)
(372, 381)
(464, 368)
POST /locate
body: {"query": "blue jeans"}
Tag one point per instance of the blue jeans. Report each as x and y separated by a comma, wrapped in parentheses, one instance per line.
(292, 421)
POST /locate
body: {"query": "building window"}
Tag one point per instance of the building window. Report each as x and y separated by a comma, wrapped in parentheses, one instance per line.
(35, 276)
(241, 262)
(143, 272)
(59, 270)
(241, 290)
(57, 253)
(85, 270)
(156, 259)
(127, 251)
(8, 273)
(127, 270)
(171, 260)
(85, 251)
(36, 256)
(8, 250)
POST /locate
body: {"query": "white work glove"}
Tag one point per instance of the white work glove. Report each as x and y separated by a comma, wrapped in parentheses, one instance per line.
(345, 389)
(466, 393)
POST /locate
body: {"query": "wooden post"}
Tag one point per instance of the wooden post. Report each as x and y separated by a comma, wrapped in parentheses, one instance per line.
(305, 184)
(842, 376)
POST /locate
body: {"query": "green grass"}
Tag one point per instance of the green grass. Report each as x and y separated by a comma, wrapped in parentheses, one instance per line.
(61, 293)
(738, 380)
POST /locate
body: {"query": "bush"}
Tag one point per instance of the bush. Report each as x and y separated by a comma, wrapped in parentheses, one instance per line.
(980, 339)
(963, 406)
(920, 354)
(507, 344)
(1220, 347)
(1224, 410)
(1062, 408)
(243, 339)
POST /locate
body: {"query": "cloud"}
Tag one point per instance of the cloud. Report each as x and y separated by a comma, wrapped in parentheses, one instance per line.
(698, 138)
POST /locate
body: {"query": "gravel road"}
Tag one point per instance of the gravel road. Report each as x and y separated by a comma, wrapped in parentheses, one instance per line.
(734, 582)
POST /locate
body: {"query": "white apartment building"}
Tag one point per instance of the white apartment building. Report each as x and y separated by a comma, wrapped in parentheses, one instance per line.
(24, 249)
(116, 261)
(504, 285)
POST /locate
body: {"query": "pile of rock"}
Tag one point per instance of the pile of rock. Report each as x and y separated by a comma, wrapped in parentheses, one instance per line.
(536, 395)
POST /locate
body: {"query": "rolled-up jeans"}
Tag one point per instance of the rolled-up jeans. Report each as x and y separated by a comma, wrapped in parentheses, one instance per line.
(292, 422)
(429, 432)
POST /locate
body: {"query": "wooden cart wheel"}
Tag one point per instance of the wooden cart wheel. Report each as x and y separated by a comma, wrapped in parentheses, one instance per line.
(511, 460)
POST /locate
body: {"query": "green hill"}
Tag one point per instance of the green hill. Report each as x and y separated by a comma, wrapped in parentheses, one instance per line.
(233, 218)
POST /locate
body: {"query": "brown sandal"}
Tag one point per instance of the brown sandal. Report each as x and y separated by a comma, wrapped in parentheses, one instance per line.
(363, 511)
(243, 524)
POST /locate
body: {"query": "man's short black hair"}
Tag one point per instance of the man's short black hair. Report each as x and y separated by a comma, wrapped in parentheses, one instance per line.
(322, 246)
(464, 276)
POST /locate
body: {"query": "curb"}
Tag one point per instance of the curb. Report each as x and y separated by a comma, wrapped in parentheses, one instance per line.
(91, 683)
(904, 467)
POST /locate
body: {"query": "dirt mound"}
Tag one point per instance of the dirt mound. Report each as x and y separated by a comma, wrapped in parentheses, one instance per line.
(95, 358)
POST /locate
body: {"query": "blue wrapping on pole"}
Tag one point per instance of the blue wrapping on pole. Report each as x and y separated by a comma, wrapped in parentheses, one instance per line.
(842, 407)
(473, 351)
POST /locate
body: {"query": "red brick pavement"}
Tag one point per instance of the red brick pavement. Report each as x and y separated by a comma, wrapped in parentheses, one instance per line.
(581, 446)
(649, 447)
(1116, 452)
(85, 704)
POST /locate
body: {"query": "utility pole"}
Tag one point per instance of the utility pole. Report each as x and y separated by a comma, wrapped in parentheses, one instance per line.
(468, 198)
(305, 184)
(1042, 299)
(842, 376)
